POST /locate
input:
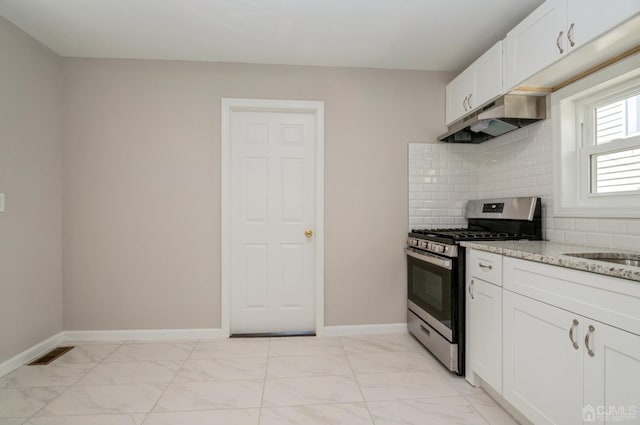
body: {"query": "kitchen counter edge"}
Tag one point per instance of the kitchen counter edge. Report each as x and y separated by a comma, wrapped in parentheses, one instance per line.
(552, 253)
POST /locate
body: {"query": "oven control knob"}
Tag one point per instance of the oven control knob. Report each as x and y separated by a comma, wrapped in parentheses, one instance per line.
(438, 248)
(424, 245)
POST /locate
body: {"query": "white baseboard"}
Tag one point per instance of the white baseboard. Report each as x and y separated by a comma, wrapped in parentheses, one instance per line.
(387, 328)
(145, 335)
(31, 353)
(169, 334)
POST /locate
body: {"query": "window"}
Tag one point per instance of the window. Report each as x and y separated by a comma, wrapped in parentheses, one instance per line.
(597, 143)
(612, 145)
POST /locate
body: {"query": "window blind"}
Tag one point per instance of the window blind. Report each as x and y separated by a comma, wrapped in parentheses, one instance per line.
(617, 170)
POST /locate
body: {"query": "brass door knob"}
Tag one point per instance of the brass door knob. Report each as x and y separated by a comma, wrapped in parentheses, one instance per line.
(308, 233)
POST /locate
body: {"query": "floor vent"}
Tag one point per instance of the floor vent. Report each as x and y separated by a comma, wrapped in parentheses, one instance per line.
(50, 356)
(273, 334)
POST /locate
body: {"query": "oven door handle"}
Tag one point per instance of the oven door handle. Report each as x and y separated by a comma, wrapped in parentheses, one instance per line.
(429, 259)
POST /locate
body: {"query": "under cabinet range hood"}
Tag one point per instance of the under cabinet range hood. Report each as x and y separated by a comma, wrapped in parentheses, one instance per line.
(505, 114)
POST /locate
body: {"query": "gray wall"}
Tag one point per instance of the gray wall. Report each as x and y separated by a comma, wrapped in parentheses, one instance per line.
(142, 186)
(30, 158)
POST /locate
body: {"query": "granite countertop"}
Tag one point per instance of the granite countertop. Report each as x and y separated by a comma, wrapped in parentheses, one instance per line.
(552, 253)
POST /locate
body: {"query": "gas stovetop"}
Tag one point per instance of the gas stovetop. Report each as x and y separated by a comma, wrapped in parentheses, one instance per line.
(456, 235)
(489, 220)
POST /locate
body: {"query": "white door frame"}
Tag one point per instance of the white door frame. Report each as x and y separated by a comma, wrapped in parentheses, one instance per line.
(230, 105)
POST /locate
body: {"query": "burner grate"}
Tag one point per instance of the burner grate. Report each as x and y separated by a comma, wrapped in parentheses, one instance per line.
(466, 234)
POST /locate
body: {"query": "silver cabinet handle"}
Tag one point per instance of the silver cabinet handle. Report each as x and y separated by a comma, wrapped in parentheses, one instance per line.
(464, 103)
(570, 35)
(484, 266)
(471, 290)
(587, 339)
(558, 42)
(469, 101)
(573, 326)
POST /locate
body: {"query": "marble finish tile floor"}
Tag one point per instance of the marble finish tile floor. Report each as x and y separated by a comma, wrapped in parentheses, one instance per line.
(359, 380)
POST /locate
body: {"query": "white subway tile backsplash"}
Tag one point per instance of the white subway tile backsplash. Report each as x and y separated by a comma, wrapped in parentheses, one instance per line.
(585, 224)
(626, 242)
(554, 235)
(447, 175)
(516, 164)
(564, 223)
(439, 195)
(612, 226)
(599, 239)
(575, 237)
(633, 227)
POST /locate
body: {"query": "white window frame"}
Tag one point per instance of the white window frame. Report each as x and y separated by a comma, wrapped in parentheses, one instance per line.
(588, 147)
(573, 146)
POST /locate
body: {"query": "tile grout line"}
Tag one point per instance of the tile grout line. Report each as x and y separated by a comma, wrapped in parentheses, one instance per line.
(355, 378)
(438, 372)
(170, 382)
(69, 386)
(476, 410)
(466, 397)
(144, 417)
(264, 382)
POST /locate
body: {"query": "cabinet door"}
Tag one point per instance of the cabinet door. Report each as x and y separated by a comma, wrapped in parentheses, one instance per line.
(487, 73)
(592, 18)
(533, 44)
(542, 375)
(486, 325)
(611, 374)
(458, 92)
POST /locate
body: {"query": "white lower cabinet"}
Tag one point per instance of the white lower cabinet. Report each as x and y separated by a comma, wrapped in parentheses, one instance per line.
(542, 369)
(611, 375)
(561, 346)
(562, 368)
(486, 322)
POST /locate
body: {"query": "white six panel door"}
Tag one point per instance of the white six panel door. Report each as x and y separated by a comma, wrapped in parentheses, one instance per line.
(272, 205)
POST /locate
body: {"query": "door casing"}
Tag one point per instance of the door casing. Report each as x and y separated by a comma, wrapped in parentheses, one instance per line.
(229, 106)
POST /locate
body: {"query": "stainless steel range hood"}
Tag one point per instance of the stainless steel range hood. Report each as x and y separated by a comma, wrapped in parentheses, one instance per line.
(505, 114)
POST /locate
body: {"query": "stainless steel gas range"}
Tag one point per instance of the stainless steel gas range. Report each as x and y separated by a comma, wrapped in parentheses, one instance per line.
(436, 276)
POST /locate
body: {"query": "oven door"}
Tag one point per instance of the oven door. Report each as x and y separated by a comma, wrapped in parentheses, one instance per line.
(430, 279)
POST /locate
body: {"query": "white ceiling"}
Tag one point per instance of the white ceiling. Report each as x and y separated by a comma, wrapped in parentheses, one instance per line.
(397, 34)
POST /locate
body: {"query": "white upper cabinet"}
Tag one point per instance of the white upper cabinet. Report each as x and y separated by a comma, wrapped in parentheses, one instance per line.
(536, 42)
(458, 92)
(592, 18)
(556, 29)
(487, 73)
(476, 85)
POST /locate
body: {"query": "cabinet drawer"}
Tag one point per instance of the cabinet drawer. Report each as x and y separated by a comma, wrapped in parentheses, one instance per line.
(486, 266)
(606, 299)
